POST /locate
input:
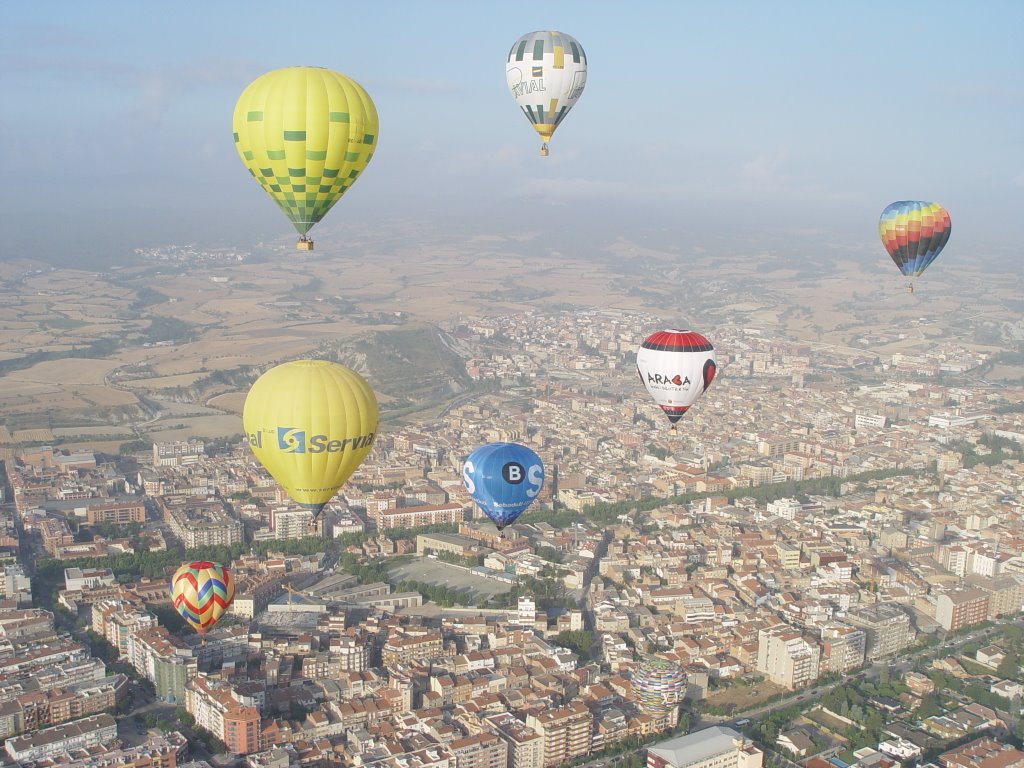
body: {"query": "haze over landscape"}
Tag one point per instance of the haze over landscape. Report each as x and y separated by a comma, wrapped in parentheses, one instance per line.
(793, 120)
(825, 556)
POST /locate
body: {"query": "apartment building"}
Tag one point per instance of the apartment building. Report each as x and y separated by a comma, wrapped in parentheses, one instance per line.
(1005, 593)
(786, 657)
(291, 523)
(484, 750)
(406, 649)
(117, 619)
(163, 660)
(887, 627)
(414, 517)
(844, 648)
(178, 453)
(525, 745)
(199, 522)
(216, 709)
(50, 742)
(962, 608)
(565, 731)
(116, 512)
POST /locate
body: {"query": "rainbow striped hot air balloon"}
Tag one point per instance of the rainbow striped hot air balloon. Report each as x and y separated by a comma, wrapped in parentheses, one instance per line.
(201, 593)
(914, 232)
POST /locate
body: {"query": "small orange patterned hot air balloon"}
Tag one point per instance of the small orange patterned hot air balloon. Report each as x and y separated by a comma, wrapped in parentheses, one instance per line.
(201, 593)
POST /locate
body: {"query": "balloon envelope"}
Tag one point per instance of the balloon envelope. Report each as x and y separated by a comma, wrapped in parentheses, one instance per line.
(201, 592)
(676, 368)
(659, 686)
(546, 73)
(310, 423)
(305, 134)
(504, 479)
(914, 232)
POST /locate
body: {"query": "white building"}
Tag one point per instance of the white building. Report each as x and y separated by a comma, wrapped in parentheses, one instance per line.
(291, 523)
(178, 453)
(786, 658)
(901, 749)
(784, 508)
(526, 614)
(75, 579)
(50, 742)
(875, 420)
(715, 747)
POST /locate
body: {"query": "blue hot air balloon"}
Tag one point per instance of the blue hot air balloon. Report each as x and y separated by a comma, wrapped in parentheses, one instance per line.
(504, 479)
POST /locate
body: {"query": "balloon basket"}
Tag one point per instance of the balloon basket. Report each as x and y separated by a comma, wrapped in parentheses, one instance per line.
(544, 150)
(304, 244)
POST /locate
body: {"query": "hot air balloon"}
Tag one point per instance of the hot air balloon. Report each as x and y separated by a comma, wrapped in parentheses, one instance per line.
(305, 134)
(503, 479)
(310, 423)
(201, 592)
(659, 686)
(546, 73)
(676, 367)
(914, 232)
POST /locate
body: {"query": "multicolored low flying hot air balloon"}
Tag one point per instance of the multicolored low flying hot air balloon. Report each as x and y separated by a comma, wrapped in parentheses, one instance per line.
(914, 232)
(503, 479)
(659, 686)
(202, 592)
(546, 73)
(676, 367)
(305, 134)
(310, 423)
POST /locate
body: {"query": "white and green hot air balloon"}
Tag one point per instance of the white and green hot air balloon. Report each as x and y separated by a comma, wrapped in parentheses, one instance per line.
(546, 73)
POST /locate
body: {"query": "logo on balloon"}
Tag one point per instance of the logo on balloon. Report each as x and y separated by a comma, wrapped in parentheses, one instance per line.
(513, 473)
(293, 440)
(536, 479)
(679, 381)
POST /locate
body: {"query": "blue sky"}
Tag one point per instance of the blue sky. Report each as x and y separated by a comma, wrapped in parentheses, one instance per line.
(788, 117)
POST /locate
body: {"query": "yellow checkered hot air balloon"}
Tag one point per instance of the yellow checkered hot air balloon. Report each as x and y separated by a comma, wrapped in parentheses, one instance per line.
(305, 134)
(310, 423)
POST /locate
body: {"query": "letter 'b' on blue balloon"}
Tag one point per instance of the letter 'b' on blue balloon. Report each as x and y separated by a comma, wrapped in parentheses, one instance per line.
(504, 479)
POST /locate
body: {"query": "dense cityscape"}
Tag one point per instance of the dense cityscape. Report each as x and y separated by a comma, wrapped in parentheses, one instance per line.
(833, 575)
(360, 408)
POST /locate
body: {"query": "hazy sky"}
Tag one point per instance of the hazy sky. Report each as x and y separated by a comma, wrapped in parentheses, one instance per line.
(803, 117)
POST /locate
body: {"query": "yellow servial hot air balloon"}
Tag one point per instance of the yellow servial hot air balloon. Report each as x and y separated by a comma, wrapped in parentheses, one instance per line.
(310, 423)
(305, 134)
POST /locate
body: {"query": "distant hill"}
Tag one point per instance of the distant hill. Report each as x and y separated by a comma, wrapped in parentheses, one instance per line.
(412, 366)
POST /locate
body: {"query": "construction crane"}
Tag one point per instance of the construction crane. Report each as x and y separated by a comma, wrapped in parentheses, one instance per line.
(291, 591)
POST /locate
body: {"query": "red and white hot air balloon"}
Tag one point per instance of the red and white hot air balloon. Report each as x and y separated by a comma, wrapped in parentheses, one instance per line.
(676, 367)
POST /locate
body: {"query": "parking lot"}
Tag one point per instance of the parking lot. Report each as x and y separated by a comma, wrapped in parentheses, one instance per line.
(441, 574)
